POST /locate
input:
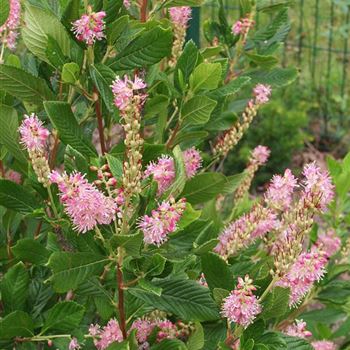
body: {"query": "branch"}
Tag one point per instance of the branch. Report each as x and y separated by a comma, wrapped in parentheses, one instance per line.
(100, 123)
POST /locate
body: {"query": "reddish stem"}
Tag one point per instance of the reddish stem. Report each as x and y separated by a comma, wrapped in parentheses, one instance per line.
(121, 301)
(143, 10)
(100, 123)
(54, 152)
(2, 169)
(172, 137)
(38, 229)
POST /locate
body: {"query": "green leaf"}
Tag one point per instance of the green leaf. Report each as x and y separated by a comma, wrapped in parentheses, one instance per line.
(119, 346)
(74, 160)
(115, 165)
(217, 272)
(205, 247)
(229, 89)
(64, 316)
(4, 11)
(206, 76)
(131, 243)
(276, 303)
(203, 187)
(14, 288)
(186, 299)
(294, 343)
(17, 197)
(184, 137)
(9, 132)
(103, 77)
(170, 344)
(71, 13)
(55, 54)
(185, 65)
(196, 339)
(175, 3)
(29, 249)
(276, 77)
(24, 86)
(70, 133)
(149, 287)
(197, 110)
(39, 25)
(116, 29)
(70, 73)
(190, 215)
(71, 269)
(16, 324)
(272, 340)
(265, 61)
(148, 49)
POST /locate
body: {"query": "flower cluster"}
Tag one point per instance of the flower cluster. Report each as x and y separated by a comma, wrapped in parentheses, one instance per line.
(129, 100)
(246, 230)
(83, 202)
(242, 306)
(8, 31)
(298, 329)
(90, 27)
(179, 17)
(162, 221)
(107, 335)
(34, 138)
(242, 26)
(328, 242)
(323, 345)
(308, 268)
(163, 171)
(259, 157)
(232, 136)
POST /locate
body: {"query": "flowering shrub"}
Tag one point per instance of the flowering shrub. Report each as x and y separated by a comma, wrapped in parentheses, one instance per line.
(118, 229)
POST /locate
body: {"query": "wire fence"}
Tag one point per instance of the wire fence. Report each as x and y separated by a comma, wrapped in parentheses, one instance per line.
(318, 44)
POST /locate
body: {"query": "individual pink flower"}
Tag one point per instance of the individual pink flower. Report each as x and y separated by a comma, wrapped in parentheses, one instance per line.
(237, 27)
(180, 15)
(308, 269)
(103, 337)
(124, 91)
(143, 328)
(8, 31)
(298, 329)
(245, 230)
(280, 191)
(262, 93)
(328, 242)
(260, 155)
(318, 187)
(90, 27)
(242, 306)
(33, 135)
(163, 172)
(74, 344)
(83, 202)
(162, 221)
(323, 345)
(127, 4)
(167, 330)
(193, 161)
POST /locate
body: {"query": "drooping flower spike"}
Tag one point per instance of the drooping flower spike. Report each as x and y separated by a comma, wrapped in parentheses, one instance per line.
(90, 27)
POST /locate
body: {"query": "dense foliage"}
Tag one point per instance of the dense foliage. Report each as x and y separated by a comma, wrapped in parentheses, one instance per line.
(118, 228)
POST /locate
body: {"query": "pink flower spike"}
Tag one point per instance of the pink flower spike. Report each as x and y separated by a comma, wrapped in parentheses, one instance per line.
(237, 28)
(144, 328)
(328, 242)
(180, 15)
(260, 155)
(90, 27)
(33, 135)
(242, 306)
(8, 31)
(193, 161)
(103, 337)
(323, 345)
(298, 329)
(262, 93)
(162, 221)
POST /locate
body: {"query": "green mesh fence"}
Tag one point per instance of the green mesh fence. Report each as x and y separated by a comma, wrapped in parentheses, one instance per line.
(318, 43)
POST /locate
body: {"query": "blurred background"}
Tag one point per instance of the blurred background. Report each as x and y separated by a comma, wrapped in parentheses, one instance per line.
(313, 113)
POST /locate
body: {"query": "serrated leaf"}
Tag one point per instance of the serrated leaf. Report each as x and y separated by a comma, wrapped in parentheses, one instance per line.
(70, 72)
(4, 11)
(131, 243)
(217, 272)
(276, 77)
(229, 89)
(190, 215)
(115, 165)
(103, 77)
(54, 53)
(276, 303)
(148, 49)
(64, 316)
(29, 249)
(70, 133)
(71, 269)
(9, 132)
(16, 324)
(296, 343)
(186, 299)
(170, 344)
(39, 24)
(196, 339)
(24, 86)
(14, 288)
(116, 29)
(206, 76)
(74, 160)
(197, 110)
(17, 197)
(264, 61)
